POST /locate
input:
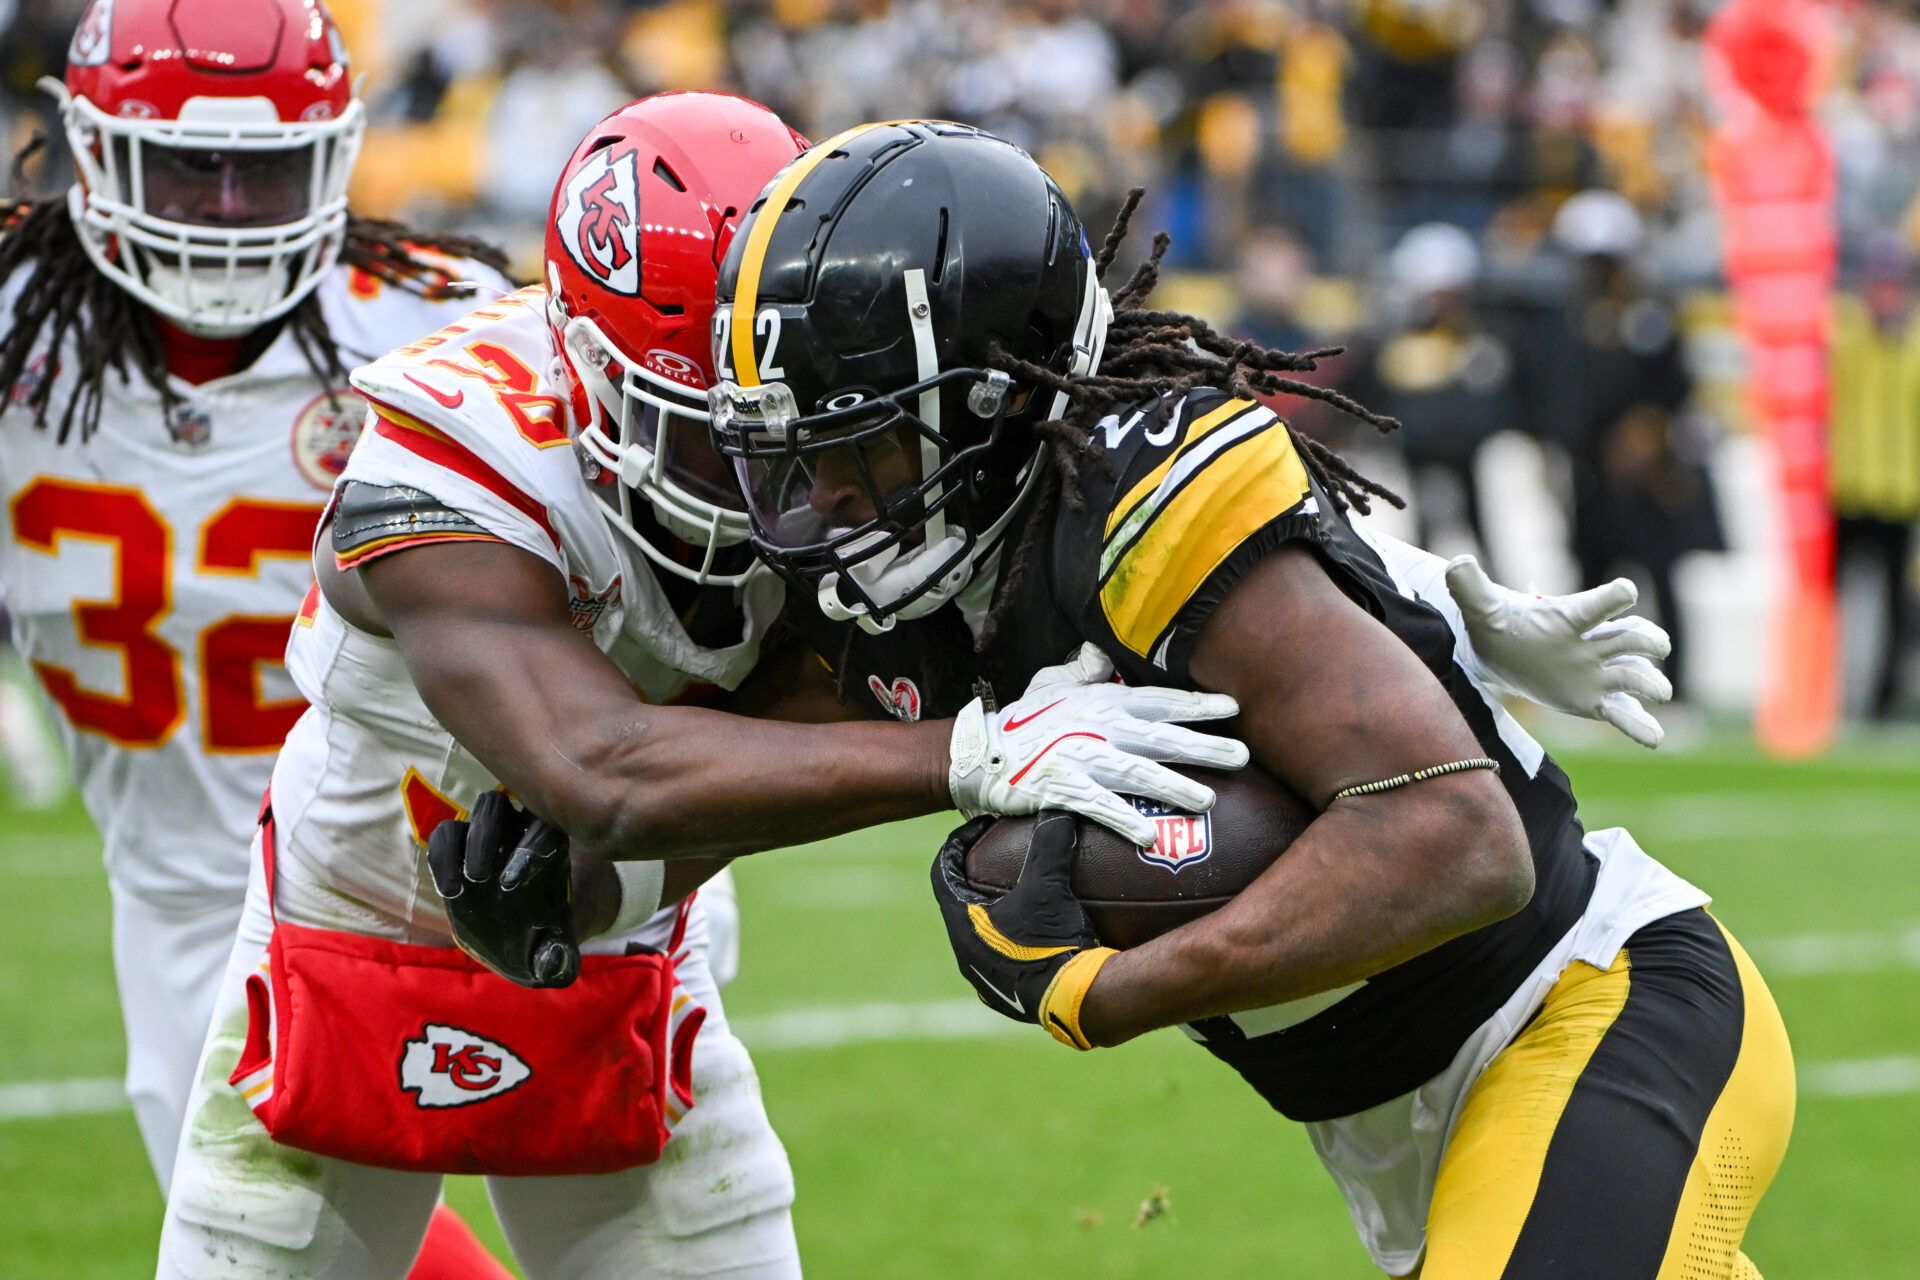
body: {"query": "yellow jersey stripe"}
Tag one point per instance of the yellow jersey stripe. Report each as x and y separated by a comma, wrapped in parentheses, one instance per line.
(1196, 529)
(746, 291)
(989, 934)
(1151, 481)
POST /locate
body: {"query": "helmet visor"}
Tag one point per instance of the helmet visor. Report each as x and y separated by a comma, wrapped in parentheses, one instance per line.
(829, 481)
(255, 187)
(867, 479)
(681, 445)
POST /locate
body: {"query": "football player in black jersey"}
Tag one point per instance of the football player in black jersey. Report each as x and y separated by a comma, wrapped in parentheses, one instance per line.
(1522, 1049)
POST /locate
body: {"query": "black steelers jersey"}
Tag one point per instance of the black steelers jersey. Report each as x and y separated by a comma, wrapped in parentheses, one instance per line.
(1192, 493)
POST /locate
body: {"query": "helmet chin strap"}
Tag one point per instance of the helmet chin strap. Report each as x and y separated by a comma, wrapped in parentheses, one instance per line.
(888, 574)
(1089, 336)
(891, 574)
(203, 296)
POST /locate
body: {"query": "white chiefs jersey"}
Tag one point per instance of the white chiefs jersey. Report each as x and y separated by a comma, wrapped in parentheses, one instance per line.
(151, 572)
(470, 415)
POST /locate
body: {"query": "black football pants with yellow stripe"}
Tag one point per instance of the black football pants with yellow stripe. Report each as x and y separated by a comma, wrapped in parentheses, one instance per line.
(1629, 1130)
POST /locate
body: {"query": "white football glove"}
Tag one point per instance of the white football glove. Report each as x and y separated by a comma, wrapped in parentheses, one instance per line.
(1571, 653)
(1074, 740)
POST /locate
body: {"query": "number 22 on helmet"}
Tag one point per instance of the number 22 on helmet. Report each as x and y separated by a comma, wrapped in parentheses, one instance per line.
(641, 215)
(863, 309)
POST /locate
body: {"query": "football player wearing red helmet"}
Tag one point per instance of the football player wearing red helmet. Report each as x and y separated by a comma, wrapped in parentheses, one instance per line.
(534, 578)
(175, 334)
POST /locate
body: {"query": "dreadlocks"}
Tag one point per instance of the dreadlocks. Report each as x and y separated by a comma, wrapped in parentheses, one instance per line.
(1154, 355)
(66, 297)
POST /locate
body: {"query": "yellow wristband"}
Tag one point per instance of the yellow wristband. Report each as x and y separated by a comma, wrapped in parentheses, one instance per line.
(1060, 1006)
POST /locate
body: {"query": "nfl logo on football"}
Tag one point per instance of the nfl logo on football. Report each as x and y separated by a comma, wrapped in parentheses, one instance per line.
(1180, 839)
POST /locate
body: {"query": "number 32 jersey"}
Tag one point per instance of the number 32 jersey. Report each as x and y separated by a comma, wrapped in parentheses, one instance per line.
(151, 573)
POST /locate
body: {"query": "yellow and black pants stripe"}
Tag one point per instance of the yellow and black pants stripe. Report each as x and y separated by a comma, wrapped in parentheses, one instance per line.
(1629, 1130)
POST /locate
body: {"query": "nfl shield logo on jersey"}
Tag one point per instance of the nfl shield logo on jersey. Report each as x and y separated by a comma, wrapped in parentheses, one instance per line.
(189, 426)
(600, 221)
(452, 1067)
(585, 605)
(1180, 839)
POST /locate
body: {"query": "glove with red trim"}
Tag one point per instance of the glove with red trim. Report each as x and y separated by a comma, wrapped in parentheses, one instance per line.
(1075, 739)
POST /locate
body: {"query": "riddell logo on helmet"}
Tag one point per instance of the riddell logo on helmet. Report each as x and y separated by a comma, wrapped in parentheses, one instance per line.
(452, 1067)
(1180, 839)
(599, 222)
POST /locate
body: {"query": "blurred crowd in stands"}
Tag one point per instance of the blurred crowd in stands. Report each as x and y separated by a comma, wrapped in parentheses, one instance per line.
(1499, 207)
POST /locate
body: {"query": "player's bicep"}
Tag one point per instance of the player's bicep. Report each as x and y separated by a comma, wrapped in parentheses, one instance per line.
(485, 633)
(1329, 697)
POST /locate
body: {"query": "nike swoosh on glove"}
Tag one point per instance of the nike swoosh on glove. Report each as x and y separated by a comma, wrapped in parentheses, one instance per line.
(1030, 955)
(1573, 653)
(1077, 741)
(507, 882)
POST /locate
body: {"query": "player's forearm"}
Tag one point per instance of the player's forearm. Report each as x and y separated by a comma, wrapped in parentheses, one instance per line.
(1373, 882)
(672, 782)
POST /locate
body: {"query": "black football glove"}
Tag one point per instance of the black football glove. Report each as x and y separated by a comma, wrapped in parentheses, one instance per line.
(1031, 954)
(506, 879)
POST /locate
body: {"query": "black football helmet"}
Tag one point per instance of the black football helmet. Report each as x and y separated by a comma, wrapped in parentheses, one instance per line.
(862, 309)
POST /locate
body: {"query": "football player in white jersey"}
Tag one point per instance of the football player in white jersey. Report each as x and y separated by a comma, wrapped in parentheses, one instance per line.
(532, 579)
(174, 406)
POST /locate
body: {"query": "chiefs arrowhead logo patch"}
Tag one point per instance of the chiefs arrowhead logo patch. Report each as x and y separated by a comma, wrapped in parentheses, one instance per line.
(599, 221)
(93, 38)
(1180, 839)
(452, 1067)
(902, 699)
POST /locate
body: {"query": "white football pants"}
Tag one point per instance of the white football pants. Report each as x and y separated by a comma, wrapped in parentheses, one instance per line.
(167, 963)
(244, 1207)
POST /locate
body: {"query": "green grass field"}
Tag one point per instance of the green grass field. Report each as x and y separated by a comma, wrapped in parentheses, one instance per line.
(940, 1146)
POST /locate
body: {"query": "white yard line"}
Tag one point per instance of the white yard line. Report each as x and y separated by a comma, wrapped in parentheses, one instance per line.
(1826, 954)
(43, 1099)
(838, 1026)
(1861, 1077)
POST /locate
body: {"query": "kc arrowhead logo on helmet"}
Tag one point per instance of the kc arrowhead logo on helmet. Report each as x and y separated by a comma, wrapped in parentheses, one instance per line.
(93, 38)
(452, 1067)
(599, 222)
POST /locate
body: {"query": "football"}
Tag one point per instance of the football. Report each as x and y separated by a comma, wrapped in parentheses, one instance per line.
(1197, 862)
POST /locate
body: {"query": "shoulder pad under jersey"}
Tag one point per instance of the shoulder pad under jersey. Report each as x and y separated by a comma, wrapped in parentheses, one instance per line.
(470, 415)
(1189, 493)
(370, 521)
(492, 361)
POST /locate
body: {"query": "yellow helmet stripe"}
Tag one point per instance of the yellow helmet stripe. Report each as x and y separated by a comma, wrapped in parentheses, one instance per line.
(746, 292)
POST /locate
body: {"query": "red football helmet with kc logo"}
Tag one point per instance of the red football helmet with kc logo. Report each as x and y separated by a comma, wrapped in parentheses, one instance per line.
(641, 217)
(213, 140)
